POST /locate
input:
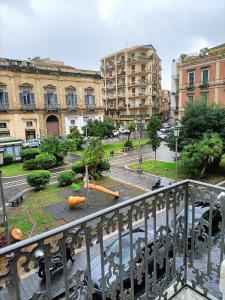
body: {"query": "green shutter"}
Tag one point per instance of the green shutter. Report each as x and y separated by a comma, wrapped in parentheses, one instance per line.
(205, 76)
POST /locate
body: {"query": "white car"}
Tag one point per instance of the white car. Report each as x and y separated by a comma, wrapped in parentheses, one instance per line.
(32, 143)
(116, 132)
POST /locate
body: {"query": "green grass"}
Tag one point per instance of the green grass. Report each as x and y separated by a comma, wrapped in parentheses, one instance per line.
(116, 147)
(14, 169)
(163, 169)
(168, 170)
(33, 210)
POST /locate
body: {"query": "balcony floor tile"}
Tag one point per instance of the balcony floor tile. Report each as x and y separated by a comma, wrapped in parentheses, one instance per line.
(187, 293)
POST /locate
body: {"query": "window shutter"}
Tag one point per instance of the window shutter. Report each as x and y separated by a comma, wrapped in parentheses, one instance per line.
(67, 99)
(55, 99)
(21, 98)
(6, 99)
(86, 99)
(93, 99)
(46, 99)
(32, 99)
(75, 99)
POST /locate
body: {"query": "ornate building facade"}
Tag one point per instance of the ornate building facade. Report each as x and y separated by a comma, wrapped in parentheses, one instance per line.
(198, 76)
(42, 97)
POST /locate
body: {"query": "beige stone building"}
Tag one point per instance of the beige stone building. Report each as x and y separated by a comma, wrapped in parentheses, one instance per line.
(131, 83)
(41, 97)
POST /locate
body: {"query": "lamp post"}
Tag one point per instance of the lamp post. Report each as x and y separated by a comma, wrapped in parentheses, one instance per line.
(139, 126)
(86, 166)
(176, 134)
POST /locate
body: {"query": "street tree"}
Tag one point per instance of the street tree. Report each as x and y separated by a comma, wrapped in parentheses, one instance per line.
(154, 125)
(98, 128)
(197, 158)
(131, 127)
(94, 152)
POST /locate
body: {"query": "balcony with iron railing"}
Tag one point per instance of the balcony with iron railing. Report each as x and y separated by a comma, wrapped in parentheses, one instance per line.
(28, 107)
(190, 86)
(150, 246)
(4, 107)
(52, 107)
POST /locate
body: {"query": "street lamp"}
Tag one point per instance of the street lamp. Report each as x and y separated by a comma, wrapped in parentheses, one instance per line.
(176, 135)
(139, 126)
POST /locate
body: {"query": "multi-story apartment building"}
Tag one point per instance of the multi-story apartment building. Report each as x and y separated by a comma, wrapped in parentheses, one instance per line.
(200, 76)
(131, 83)
(164, 105)
(41, 97)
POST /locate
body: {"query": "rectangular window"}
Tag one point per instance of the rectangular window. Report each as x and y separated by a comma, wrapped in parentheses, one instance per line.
(205, 76)
(143, 68)
(190, 98)
(29, 124)
(143, 78)
(3, 125)
(4, 103)
(191, 78)
(133, 79)
(133, 91)
(133, 69)
(50, 99)
(71, 99)
(72, 122)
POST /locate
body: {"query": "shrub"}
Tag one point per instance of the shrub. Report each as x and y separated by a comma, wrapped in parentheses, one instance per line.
(38, 179)
(103, 165)
(78, 167)
(66, 178)
(45, 161)
(29, 153)
(30, 164)
(8, 158)
(128, 144)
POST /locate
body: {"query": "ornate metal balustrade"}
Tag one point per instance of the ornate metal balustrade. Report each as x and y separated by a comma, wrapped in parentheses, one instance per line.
(148, 246)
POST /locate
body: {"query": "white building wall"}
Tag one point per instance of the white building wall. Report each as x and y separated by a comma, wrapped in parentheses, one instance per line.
(79, 121)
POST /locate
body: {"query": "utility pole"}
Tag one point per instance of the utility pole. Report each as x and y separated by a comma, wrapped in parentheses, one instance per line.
(4, 211)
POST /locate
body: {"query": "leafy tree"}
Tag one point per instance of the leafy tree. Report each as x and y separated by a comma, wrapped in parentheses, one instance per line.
(183, 57)
(204, 52)
(59, 149)
(154, 125)
(197, 158)
(94, 152)
(76, 137)
(98, 128)
(200, 118)
(45, 161)
(131, 127)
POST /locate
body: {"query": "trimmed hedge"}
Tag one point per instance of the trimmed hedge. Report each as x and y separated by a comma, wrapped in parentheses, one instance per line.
(78, 167)
(66, 178)
(30, 164)
(45, 161)
(8, 158)
(38, 179)
(29, 153)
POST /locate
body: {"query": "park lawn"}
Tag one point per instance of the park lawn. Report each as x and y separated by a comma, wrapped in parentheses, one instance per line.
(168, 170)
(13, 169)
(161, 168)
(116, 147)
(32, 210)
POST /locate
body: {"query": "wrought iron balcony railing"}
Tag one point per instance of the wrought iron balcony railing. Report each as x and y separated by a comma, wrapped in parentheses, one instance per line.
(4, 107)
(28, 107)
(148, 246)
(52, 107)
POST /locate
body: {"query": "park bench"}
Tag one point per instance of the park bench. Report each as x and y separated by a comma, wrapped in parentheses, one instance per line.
(125, 149)
(16, 200)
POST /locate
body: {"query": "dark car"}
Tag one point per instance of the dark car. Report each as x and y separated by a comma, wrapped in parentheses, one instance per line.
(201, 221)
(112, 253)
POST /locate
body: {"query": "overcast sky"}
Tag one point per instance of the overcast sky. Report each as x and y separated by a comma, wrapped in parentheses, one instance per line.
(80, 32)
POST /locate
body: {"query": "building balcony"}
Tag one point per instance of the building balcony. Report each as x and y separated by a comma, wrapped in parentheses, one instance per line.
(111, 87)
(52, 107)
(143, 105)
(120, 74)
(204, 85)
(121, 95)
(72, 107)
(4, 107)
(90, 107)
(122, 106)
(28, 107)
(120, 62)
(121, 84)
(190, 86)
(156, 245)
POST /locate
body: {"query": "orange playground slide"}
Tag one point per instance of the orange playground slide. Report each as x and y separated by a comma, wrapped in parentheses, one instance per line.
(72, 201)
(101, 189)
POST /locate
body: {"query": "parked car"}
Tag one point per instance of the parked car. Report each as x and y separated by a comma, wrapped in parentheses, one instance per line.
(32, 143)
(202, 214)
(111, 251)
(162, 136)
(116, 132)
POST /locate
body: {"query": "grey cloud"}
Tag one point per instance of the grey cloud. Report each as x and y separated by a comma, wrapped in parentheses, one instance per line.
(80, 33)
